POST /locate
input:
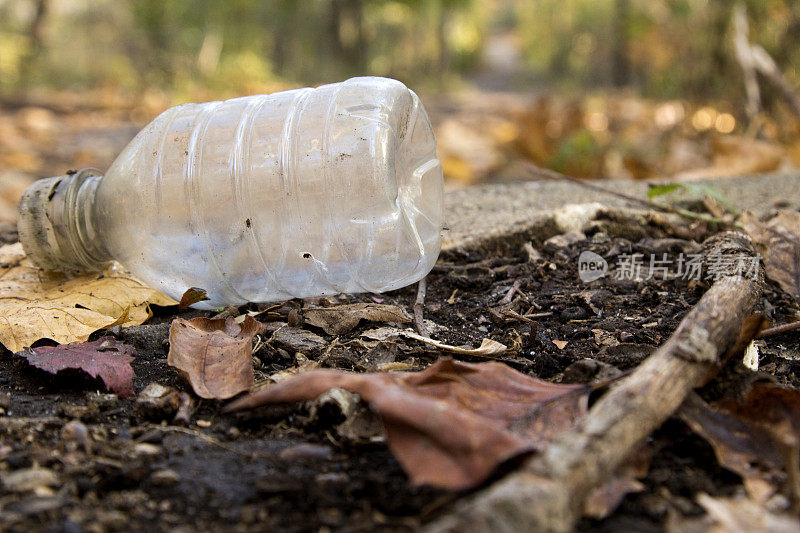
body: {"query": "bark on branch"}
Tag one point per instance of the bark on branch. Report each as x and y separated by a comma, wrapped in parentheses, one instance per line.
(548, 492)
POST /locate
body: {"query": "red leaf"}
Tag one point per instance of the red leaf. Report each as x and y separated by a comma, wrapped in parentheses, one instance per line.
(451, 424)
(106, 358)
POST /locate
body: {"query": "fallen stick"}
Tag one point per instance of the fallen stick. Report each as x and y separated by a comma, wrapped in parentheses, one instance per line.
(783, 328)
(511, 292)
(548, 492)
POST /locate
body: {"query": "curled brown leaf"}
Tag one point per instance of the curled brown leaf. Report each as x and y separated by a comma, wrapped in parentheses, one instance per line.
(758, 439)
(451, 424)
(192, 296)
(215, 355)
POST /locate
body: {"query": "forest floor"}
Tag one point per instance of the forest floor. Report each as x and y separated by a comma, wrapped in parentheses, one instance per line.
(296, 469)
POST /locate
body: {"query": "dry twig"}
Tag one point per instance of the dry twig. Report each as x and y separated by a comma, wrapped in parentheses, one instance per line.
(511, 292)
(783, 328)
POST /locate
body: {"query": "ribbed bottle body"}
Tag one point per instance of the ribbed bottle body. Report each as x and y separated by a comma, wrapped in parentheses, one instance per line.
(296, 194)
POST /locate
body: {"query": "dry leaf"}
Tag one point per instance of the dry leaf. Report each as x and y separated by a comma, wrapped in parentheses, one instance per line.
(192, 296)
(560, 344)
(743, 436)
(737, 156)
(487, 348)
(778, 242)
(340, 319)
(215, 355)
(106, 358)
(39, 305)
(297, 340)
(451, 424)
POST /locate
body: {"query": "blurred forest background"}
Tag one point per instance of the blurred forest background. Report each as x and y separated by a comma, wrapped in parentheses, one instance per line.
(628, 89)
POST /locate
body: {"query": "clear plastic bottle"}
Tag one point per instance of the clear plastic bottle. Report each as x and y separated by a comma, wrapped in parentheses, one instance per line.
(300, 193)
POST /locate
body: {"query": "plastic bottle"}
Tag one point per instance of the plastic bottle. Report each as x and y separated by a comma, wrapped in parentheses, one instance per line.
(300, 193)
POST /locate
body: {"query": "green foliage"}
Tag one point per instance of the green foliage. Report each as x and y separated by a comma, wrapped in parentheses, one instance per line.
(665, 48)
(577, 155)
(238, 45)
(694, 190)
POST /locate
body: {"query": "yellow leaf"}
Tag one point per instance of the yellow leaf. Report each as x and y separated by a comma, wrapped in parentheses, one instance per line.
(43, 305)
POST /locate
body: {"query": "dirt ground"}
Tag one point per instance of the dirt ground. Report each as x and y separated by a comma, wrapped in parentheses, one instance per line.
(292, 469)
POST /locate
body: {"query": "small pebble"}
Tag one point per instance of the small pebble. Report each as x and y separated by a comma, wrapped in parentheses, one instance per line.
(29, 479)
(164, 478)
(306, 451)
(146, 449)
(75, 432)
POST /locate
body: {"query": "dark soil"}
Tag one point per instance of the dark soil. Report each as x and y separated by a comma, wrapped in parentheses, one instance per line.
(284, 469)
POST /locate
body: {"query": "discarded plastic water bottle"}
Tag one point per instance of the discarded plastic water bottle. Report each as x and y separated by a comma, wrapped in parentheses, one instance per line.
(296, 194)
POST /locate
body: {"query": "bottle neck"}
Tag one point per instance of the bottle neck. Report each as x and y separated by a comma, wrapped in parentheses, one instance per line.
(56, 223)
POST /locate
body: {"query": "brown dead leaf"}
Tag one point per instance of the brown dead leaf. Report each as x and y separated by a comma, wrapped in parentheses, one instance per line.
(215, 355)
(192, 296)
(775, 408)
(451, 424)
(106, 358)
(560, 344)
(756, 439)
(778, 242)
(340, 319)
(38, 305)
(736, 156)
